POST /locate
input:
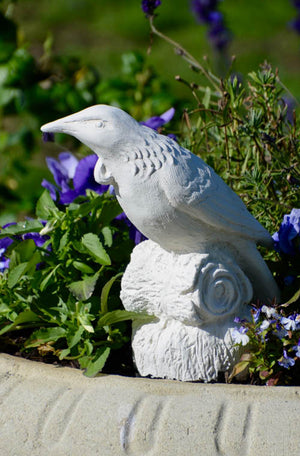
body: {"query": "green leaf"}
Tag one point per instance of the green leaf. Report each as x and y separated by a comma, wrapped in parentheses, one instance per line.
(97, 363)
(25, 250)
(16, 273)
(27, 316)
(293, 299)
(206, 98)
(82, 267)
(105, 292)
(48, 277)
(44, 335)
(75, 338)
(117, 316)
(95, 248)
(45, 206)
(83, 289)
(29, 226)
(107, 234)
(110, 210)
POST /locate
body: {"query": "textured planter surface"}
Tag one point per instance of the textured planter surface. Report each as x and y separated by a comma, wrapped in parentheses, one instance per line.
(47, 410)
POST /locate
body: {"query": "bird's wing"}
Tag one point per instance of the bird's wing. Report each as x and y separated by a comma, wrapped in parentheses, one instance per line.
(199, 192)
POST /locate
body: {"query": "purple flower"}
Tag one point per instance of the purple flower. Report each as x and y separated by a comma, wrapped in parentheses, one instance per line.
(280, 332)
(286, 361)
(295, 24)
(48, 137)
(68, 169)
(218, 34)
(4, 244)
(84, 176)
(206, 13)
(148, 6)
(203, 9)
(256, 315)
(135, 235)
(158, 121)
(36, 237)
(297, 349)
(286, 240)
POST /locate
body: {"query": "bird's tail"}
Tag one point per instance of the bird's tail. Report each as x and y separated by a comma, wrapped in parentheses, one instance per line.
(265, 288)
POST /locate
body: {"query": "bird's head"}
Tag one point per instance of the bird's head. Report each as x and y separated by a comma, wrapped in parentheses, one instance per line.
(102, 128)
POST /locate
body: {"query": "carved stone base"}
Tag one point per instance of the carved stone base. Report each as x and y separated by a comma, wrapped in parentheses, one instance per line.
(194, 298)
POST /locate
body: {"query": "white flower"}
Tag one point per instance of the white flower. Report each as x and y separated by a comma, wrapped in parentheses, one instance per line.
(288, 323)
(270, 312)
(240, 337)
(265, 324)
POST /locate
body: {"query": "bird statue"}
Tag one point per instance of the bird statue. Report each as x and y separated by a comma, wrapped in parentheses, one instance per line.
(171, 195)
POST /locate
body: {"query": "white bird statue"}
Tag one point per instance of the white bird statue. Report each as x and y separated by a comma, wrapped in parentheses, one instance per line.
(171, 195)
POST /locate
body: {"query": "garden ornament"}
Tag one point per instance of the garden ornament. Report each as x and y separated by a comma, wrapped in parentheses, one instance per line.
(200, 267)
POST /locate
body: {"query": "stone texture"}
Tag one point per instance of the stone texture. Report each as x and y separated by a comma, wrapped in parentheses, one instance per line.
(52, 411)
(194, 298)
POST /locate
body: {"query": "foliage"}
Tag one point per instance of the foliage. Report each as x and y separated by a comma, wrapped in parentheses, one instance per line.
(34, 91)
(64, 290)
(59, 285)
(272, 349)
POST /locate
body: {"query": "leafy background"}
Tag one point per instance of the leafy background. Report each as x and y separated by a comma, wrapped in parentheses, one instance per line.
(60, 57)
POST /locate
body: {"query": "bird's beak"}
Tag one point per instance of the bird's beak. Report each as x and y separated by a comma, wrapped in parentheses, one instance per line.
(67, 125)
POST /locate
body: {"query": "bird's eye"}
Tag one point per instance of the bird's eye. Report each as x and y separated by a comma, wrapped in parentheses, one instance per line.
(100, 124)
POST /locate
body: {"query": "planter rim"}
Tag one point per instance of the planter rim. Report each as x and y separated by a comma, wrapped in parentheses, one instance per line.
(51, 410)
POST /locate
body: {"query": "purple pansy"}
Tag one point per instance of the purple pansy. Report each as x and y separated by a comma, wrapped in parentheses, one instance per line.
(68, 169)
(158, 121)
(286, 361)
(135, 235)
(148, 6)
(6, 242)
(287, 239)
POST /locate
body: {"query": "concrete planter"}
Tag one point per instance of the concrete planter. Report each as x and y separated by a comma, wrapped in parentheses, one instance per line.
(52, 411)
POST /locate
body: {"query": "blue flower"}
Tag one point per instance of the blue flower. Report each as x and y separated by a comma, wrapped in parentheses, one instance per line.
(256, 315)
(287, 239)
(289, 323)
(280, 332)
(148, 6)
(286, 361)
(289, 280)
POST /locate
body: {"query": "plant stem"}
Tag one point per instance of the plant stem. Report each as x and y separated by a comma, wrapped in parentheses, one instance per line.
(187, 56)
